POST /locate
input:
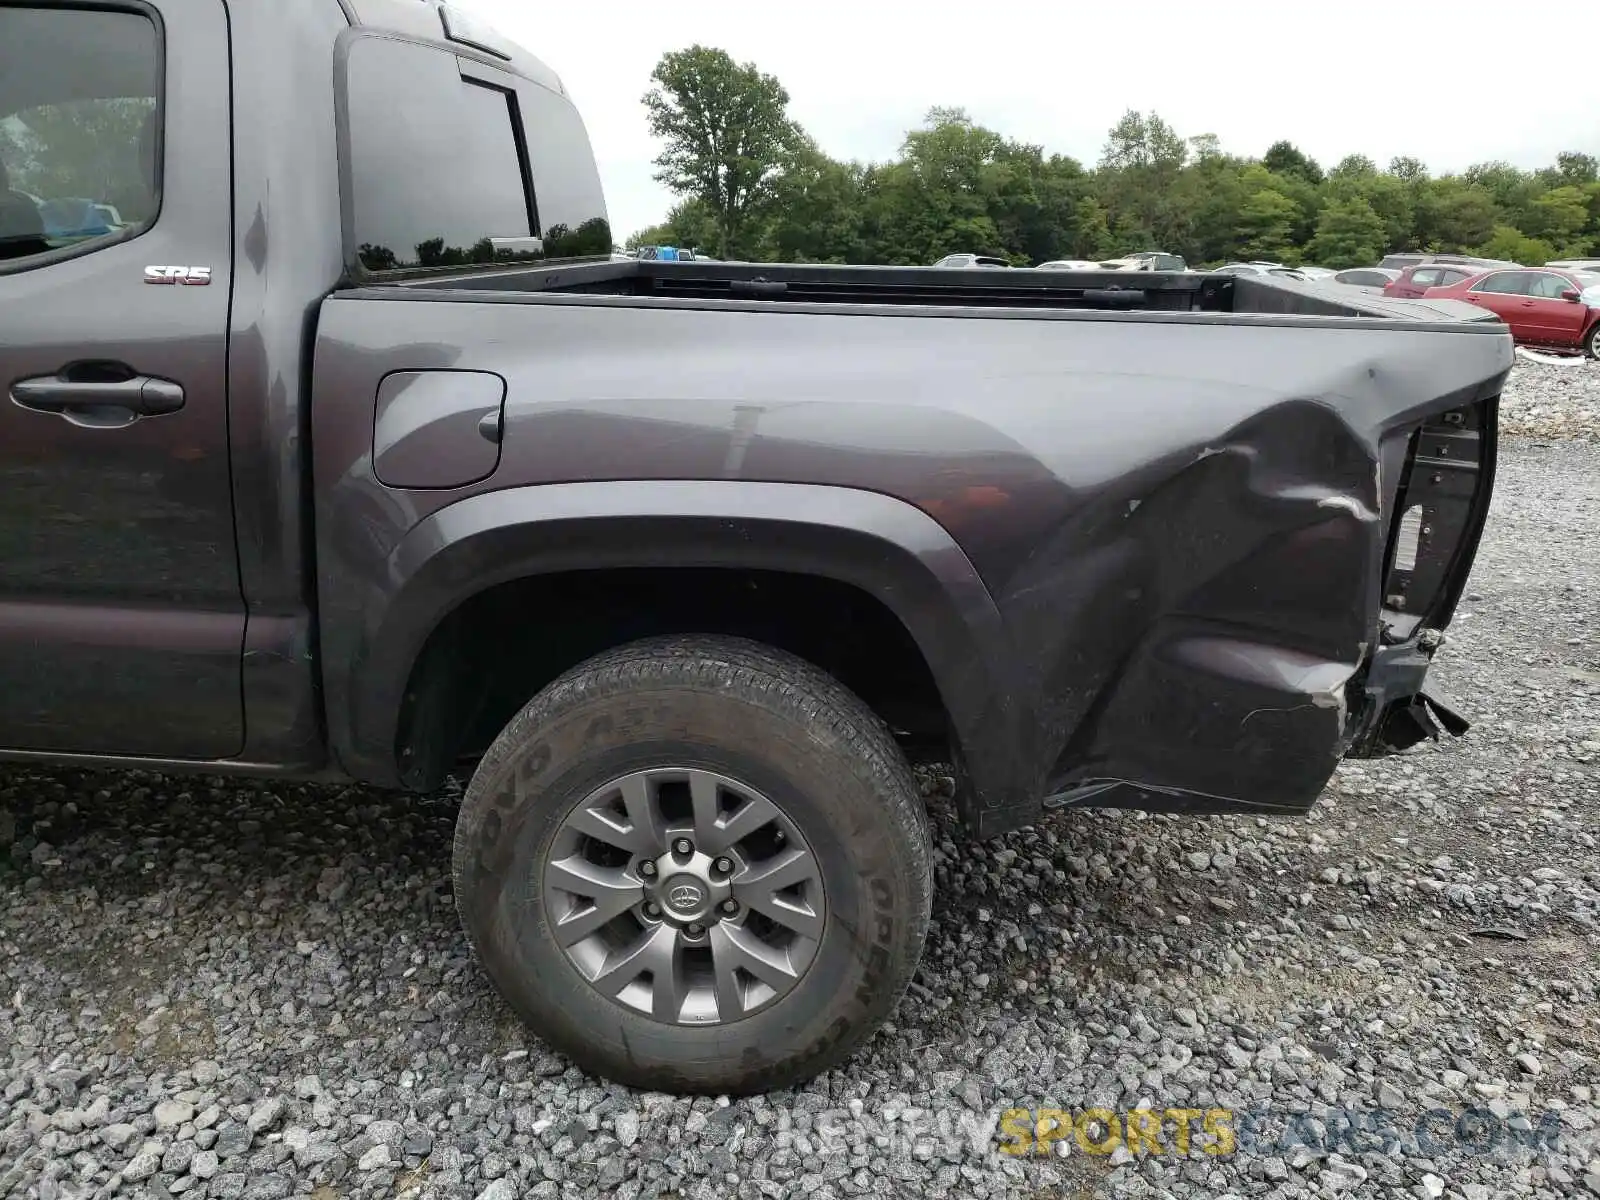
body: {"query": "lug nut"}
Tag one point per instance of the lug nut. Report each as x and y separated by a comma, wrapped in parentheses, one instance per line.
(696, 930)
(725, 865)
(730, 906)
(683, 846)
(647, 868)
(652, 909)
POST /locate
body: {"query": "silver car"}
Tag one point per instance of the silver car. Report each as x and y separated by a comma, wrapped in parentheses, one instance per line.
(1366, 277)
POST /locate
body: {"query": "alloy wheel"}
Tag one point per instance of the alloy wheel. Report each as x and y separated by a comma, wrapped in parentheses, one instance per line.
(685, 895)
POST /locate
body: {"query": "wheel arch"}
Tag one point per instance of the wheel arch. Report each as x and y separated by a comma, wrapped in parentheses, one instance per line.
(887, 549)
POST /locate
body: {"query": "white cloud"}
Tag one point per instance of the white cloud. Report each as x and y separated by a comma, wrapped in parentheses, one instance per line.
(1452, 83)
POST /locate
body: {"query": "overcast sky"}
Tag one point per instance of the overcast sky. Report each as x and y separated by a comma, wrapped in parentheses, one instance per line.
(1332, 78)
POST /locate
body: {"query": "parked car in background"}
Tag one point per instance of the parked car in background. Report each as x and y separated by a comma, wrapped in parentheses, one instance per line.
(1575, 264)
(1414, 281)
(1559, 310)
(1146, 260)
(1259, 268)
(1367, 277)
(667, 254)
(1401, 261)
(1070, 264)
(967, 262)
(1317, 274)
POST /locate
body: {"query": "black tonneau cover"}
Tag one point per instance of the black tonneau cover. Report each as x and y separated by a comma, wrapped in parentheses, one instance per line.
(1131, 291)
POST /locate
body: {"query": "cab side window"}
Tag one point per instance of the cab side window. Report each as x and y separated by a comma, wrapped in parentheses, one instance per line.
(1547, 287)
(79, 130)
(1505, 283)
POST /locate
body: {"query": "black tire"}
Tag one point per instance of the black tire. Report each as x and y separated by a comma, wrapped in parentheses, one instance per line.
(749, 712)
(1591, 344)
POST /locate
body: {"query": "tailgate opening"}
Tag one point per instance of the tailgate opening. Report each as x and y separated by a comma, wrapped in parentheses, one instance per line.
(1440, 509)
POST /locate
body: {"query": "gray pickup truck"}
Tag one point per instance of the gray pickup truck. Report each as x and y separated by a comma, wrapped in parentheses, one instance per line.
(335, 445)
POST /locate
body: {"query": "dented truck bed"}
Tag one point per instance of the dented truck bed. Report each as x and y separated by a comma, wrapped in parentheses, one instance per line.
(1165, 541)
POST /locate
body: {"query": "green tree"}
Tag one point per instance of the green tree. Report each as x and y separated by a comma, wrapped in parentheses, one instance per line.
(1507, 187)
(936, 199)
(1515, 246)
(1139, 169)
(1267, 218)
(1285, 158)
(1349, 234)
(1456, 214)
(1407, 169)
(727, 136)
(819, 210)
(1559, 215)
(1390, 197)
(1354, 166)
(1138, 140)
(747, 178)
(1092, 239)
(1266, 221)
(689, 223)
(1574, 167)
(1214, 193)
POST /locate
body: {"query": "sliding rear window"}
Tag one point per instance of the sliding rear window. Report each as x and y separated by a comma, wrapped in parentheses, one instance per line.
(436, 169)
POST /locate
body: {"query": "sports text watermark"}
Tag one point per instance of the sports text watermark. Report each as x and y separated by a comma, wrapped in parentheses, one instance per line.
(1020, 1133)
(1223, 1132)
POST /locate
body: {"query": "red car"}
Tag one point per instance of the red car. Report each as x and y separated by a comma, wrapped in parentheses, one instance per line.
(1544, 307)
(1415, 280)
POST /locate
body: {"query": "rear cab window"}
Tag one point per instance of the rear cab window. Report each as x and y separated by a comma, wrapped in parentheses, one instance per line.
(1425, 277)
(79, 131)
(450, 163)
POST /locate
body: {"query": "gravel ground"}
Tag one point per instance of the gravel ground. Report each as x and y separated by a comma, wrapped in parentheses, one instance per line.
(217, 989)
(1550, 397)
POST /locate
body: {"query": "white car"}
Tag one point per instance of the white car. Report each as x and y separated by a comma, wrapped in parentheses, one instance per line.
(1146, 260)
(1259, 268)
(1069, 264)
(967, 262)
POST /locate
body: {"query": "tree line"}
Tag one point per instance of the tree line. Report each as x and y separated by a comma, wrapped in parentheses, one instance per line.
(753, 185)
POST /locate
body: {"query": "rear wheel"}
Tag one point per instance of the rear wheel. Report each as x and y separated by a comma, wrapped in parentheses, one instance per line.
(696, 864)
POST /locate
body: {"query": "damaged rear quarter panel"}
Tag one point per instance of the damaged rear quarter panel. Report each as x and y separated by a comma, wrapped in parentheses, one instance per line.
(1181, 518)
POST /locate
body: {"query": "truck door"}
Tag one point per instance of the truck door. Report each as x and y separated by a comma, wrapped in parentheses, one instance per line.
(121, 618)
